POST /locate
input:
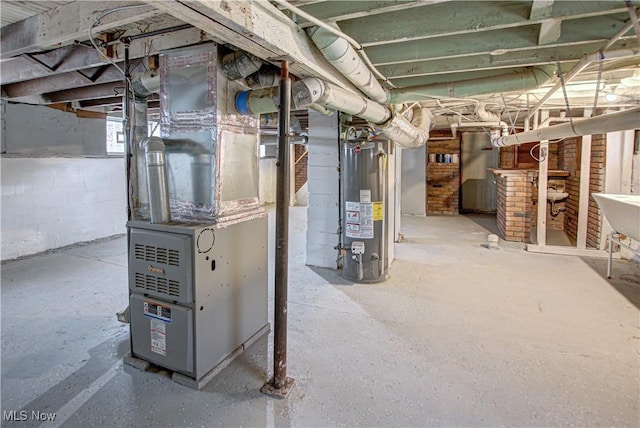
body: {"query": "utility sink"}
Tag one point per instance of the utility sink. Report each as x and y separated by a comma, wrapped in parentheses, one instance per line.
(554, 195)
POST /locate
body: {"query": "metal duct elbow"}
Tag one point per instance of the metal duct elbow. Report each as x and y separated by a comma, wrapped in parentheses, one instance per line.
(265, 100)
(266, 77)
(156, 180)
(145, 84)
(240, 64)
(409, 134)
(345, 59)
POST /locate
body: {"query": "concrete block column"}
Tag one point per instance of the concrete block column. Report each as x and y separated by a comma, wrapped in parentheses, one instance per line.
(324, 191)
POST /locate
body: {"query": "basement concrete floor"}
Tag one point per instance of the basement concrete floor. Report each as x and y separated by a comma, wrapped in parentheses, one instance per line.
(458, 336)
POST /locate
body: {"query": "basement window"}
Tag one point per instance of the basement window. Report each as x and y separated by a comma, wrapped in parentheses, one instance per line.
(115, 135)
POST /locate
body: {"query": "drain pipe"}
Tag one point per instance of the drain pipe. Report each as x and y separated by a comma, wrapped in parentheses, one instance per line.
(628, 119)
(581, 65)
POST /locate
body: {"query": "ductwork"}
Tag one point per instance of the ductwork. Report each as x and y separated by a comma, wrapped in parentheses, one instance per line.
(266, 77)
(309, 91)
(145, 84)
(409, 134)
(628, 119)
(345, 59)
(157, 186)
(391, 125)
(528, 79)
(240, 64)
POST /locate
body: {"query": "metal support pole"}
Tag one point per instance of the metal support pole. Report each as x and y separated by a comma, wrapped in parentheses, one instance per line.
(281, 384)
(126, 112)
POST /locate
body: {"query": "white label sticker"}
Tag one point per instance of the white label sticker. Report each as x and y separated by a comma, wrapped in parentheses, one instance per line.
(353, 206)
(158, 337)
(359, 218)
(365, 195)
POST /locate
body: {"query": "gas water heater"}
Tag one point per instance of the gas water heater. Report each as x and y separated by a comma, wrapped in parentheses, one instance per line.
(197, 234)
(364, 227)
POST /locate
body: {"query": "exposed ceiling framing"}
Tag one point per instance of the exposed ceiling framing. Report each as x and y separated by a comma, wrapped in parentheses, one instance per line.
(47, 57)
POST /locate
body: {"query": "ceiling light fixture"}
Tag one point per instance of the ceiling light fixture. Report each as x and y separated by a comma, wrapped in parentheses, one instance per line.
(610, 97)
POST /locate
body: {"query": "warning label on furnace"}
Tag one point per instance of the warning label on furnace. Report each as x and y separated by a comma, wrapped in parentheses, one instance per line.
(359, 220)
(158, 337)
(157, 311)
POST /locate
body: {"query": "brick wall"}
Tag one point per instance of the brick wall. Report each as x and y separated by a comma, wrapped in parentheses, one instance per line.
(443, 179)
(514, 207)
(569, 160)
(596, 184)
(507, 158)
(301, 157)
(519, 157)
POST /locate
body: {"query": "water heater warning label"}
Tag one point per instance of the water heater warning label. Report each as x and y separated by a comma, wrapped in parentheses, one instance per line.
(359, 219)
(157, 311)
(158, 337)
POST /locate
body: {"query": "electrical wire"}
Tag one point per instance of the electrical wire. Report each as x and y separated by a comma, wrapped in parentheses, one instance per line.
(95, 22)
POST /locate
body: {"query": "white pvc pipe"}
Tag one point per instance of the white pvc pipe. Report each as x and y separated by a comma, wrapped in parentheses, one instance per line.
(628, 119)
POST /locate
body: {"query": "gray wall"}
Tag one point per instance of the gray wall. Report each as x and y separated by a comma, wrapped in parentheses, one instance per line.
(58, 186)
(414, 181)
(39, 130)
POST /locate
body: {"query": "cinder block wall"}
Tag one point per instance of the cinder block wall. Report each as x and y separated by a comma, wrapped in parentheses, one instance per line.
(443, 179)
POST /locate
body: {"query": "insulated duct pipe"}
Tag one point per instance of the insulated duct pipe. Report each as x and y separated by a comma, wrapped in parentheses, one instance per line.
(628, 119)
(394, 126)
(581, 65)
(530, 78)
(309, 91)
(346, 60)
(239, 64)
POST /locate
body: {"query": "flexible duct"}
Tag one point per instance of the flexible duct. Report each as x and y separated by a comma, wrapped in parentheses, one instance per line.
(345, 59)
(628, 119)
(408, 134)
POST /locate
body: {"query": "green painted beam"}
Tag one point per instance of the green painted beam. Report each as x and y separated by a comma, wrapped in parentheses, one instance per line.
(331, 11)
(521, 58)
(525, 37)
(466, 16)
